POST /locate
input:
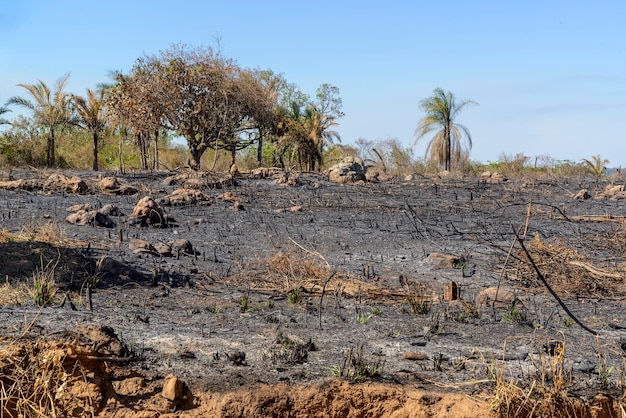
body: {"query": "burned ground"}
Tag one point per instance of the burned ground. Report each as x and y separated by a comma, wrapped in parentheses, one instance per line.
(244, 284)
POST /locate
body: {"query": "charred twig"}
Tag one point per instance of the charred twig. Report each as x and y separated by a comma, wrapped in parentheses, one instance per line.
(545, 283)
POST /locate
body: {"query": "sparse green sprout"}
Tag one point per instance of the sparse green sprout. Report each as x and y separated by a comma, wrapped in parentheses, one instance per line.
(294, 296)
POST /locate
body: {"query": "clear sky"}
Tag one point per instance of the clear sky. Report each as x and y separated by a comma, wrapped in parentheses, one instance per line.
(550, 75)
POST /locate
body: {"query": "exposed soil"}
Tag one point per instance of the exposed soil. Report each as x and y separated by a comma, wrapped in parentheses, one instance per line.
(272, 296)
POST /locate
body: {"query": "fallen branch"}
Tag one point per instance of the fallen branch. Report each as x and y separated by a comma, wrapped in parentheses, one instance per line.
(545, 283)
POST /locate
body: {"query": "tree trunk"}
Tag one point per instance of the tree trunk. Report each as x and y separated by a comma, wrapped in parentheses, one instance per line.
(233, 154)
(259, 151)
(155, 164)
(196, 154)
(122, 135)
(447, 140)
(50, 153)
(95, 151)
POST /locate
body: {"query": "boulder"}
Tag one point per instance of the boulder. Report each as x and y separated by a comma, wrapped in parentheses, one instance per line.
(91, 217)
(181, 197)
(62, 182)
(147, 212)
(501, 296)
(349, 170)
(139, 246)
(582, 194)
(111, 185)
(444, 261)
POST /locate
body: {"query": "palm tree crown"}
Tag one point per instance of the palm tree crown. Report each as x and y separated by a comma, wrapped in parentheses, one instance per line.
(441, 110)
(50, 110)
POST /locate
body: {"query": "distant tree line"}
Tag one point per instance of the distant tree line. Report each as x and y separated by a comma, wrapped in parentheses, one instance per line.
(194, 93)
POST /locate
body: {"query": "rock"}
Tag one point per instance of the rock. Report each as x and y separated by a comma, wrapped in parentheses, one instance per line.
(613, 191)
(194, 184)
(172, 388)
(349, 170)
(163, 249)
(111, 185)
(180, 197)
(583, 194)
(229, 197)
(444, 261)
(73, 185)
(238, 205)
(296, 208)
(141, 246)
(110, 210)
(181, 245)
(148, 212)
(505, 297)
(92, 217)
(409, 355)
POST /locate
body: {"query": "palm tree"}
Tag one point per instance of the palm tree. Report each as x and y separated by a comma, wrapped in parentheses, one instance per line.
(318, 127)
(441, 110)
(50, 110)
(597, 166)
(90, 113)
(3, 121)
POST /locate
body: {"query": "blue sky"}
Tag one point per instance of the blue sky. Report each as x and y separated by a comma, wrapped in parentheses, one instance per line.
(550, 76)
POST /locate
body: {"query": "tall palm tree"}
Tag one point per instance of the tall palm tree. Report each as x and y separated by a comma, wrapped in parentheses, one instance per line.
(50, 110)
(90, 114)
(441, 110)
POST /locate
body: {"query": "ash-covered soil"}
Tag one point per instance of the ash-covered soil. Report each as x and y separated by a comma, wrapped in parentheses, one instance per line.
(255, 281)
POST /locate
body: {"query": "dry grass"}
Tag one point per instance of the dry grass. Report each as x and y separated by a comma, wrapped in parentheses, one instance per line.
(14, 294)
(568, 270)
(295, 269)
(44, 379)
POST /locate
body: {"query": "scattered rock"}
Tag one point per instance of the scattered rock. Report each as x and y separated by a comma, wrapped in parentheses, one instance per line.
(194, 184)
(229, 197)
(92, 218)
(110, 210)
(505, 297)
(141, 246)
(148, 213)
(61, 182)
(444, 261)
(409, 355)
(181, 197)
(182, 245)
(583, 194)
(172, 388)
(287, 180)
(350, 170)
(613, 191)
(111, 185)
(493, 177)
